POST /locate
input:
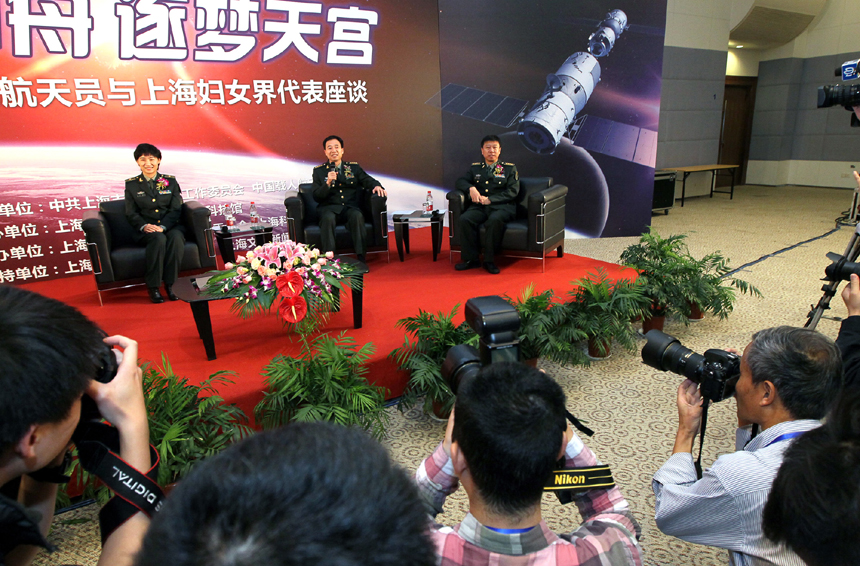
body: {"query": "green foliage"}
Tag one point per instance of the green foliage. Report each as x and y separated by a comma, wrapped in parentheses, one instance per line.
(325, 383)
(674, 279)
(602, 309)
(187, 423)
(545, 330)
(707, 285)
(431, 337)
(663, 265)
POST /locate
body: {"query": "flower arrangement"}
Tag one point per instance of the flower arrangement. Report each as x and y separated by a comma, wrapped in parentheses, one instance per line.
(306, 281)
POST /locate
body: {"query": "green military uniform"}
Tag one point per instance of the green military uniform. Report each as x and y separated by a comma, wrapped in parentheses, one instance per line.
(500, 183)
(340, 203)
(158, 202)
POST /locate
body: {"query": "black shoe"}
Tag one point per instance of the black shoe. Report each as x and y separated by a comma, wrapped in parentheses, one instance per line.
(491, 267)
(170, 294)
(155, 295)
(467, 265)
(361, 258)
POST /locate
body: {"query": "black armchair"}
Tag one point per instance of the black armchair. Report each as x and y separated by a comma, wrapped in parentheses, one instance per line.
(537, 228)
(118, 261)
(303, 222)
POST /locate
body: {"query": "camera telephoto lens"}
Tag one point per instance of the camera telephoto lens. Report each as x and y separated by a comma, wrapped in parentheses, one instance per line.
(666, 353)
(838, 95)
(462, 362)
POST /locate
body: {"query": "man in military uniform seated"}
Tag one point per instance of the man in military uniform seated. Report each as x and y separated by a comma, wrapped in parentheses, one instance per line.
(337, 187)
(153, 202)
(491, 188)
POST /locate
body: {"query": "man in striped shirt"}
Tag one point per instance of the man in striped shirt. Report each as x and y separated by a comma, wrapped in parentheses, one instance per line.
(789, 377)
(503, 445)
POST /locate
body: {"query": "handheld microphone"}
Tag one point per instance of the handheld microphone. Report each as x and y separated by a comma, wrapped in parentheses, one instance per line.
(331, 167)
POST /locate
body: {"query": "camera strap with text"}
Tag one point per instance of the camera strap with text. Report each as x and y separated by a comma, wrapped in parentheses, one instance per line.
(98, 445)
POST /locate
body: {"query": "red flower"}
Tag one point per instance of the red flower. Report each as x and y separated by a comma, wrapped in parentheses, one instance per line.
(290, 284)
(293, 309)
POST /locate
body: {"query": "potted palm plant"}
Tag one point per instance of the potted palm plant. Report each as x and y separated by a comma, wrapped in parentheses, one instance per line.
(710, 288)
(428, 338)
(544, 329)
(326, 382)
(187, 423)
(664, 265)
(602, 309)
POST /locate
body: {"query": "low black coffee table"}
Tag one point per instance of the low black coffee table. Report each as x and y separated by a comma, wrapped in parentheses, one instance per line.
(192, 291)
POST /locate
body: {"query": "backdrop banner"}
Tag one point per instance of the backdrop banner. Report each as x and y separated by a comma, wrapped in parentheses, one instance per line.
(237, 94)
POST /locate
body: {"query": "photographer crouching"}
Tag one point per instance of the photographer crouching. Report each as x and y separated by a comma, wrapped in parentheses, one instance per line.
(51, 357)
(785, 382)
(503, 442)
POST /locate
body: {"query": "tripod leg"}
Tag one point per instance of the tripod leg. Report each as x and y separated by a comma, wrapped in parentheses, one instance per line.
(852, 251)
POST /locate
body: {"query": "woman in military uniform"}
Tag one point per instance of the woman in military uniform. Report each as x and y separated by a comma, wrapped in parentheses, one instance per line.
(153, 202)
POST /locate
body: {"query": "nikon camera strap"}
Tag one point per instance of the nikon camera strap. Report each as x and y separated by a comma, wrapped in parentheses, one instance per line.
(566, 483)
(580, 479)
(98, 444)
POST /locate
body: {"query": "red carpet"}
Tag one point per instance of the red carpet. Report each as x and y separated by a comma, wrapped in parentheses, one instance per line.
(392, 291)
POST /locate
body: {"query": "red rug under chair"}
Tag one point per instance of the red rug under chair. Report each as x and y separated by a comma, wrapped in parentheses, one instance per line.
(392, 291)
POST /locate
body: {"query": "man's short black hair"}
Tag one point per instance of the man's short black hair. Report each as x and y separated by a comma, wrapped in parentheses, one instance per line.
(306, 493)
(491, 138)
(804, 365)
(508, 422)
(814, 505)
(146, 149)
(49, 353)
(325, 141)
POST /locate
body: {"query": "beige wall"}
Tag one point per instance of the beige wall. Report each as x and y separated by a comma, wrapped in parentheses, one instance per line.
(742, 62)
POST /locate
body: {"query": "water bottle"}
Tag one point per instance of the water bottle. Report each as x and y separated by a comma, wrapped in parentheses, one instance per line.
(255, 218)
(229, 220)
(428, 203)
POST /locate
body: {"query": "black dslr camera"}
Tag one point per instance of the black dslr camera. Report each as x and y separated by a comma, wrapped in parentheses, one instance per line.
(497, 324)
(108, 364)
(716, 372)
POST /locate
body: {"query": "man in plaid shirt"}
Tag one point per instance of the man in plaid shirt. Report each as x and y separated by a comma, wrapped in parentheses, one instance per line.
(507, 437)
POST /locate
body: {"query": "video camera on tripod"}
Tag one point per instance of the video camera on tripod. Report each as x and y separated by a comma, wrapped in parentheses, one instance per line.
(847, 96)
(840, 269)
(497, 324)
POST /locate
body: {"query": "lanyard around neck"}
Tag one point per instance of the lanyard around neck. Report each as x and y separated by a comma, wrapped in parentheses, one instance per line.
(786, 436)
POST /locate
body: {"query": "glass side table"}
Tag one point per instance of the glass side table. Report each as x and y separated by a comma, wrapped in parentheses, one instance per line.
(401, 221)
(262, 233)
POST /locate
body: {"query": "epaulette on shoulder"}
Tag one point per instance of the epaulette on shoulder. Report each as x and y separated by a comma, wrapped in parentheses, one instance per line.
(321, 165)
(508, 164)
(135, 178)
(477, 163)
(166, 175)
(351, 162)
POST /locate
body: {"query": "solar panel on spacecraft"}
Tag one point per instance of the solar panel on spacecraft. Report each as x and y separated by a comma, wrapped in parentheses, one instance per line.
(479, 105)
(616, 140)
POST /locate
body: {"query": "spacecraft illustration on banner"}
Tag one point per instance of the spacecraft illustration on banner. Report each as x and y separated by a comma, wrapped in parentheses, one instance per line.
(555, 114)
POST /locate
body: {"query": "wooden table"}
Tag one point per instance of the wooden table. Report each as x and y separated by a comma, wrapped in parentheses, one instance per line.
(702, 168)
